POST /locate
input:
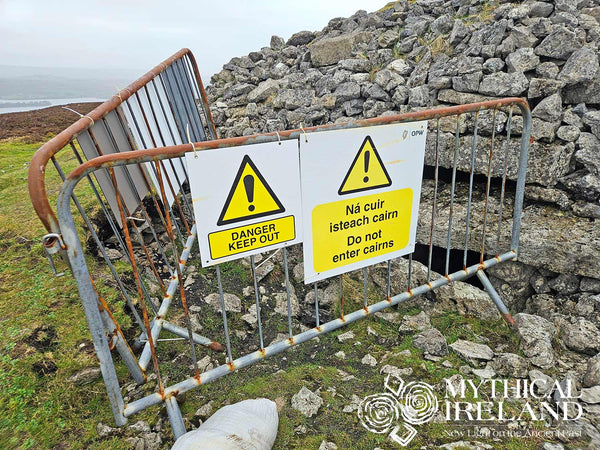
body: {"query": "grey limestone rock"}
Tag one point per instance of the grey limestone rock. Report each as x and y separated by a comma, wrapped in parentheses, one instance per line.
(388, 39)
(277, 42)
(542, 87)
(431, 341)
(355, 64)
(547, 70)
(536, 334)
(232, 302)
(471, 351)
(510, 365)
(568, 133)
(329, 51)
(442, 25)
(581, 66)
(541, 9)
(522, 60)
(582, 184)
(467, 82)
(590, 285)
(564, 284)
(586, 92)
(559, 44)
(411, 324)
(347, 91)
(549, 109)
(592, 374)
(264, 90)
(420, 96)
(581, 336)
(503, 84)
(493, 65)
(458, 33)
(306, 402)
(301, 38)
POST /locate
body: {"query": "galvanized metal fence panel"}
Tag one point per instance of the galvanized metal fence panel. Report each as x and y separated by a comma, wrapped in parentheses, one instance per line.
(146, 208)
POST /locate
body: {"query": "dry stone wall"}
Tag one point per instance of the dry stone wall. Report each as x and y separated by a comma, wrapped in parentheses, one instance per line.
(425, 54)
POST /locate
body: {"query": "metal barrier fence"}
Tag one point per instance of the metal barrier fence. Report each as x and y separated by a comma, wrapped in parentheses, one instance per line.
(146, 217)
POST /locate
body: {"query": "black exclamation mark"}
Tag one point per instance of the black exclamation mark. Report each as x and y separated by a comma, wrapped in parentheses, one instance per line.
(367, 157)
(249, 185)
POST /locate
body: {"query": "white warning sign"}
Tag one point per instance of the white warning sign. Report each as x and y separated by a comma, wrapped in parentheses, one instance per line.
(360, 196)
(246, 199)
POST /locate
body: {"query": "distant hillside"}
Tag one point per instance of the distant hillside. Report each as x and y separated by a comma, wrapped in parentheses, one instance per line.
(26, 83)
(39, 125)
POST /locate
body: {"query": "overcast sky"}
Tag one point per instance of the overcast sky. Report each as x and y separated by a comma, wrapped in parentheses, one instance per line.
(137, 34)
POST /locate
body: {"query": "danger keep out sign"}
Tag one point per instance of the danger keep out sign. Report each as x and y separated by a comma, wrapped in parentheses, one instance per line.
(246, 199)
(360, 196)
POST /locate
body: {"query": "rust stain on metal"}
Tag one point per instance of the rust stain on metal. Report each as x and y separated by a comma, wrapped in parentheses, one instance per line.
(291, 341)
(366, 310)
(216, 347)
(508, 318)
(231, 366)
(262, 352)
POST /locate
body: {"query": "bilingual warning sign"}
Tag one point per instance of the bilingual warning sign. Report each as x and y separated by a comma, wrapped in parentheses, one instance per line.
(246, 199)
(360, 196)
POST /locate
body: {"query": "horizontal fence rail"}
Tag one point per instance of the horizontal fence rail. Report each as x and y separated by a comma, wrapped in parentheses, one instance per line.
(129, 199)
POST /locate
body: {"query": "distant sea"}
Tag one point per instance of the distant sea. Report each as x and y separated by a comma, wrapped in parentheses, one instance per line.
(9, 106)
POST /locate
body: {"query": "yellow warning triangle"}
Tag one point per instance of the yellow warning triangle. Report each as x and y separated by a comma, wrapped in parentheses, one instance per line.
(366, 171)
(249, 197)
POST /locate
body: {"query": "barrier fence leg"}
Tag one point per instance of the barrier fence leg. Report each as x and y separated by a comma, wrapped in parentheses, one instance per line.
(495, 297)
(175, 417)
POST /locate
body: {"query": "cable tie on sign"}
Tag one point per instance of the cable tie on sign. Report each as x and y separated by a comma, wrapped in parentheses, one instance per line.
(91, 120)
(304, 131)
(73, 111)
(187, 131)
(139, 219)
(271, 256)
(278, 137)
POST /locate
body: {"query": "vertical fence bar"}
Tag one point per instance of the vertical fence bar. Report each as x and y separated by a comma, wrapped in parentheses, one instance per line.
(467, 225)
(257, 295)
(341, 296)
(487, 189)
(388, 289)
(287, 290)
(521, 178)
(318, 322)
(504, 171)
(365, 287)
(224, 314)
(453, 187)
(433, 208)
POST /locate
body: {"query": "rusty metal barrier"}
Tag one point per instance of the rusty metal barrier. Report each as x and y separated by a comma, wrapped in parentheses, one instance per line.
(134, 143)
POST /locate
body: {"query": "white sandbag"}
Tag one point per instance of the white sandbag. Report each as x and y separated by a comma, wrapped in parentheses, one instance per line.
(247, 425)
